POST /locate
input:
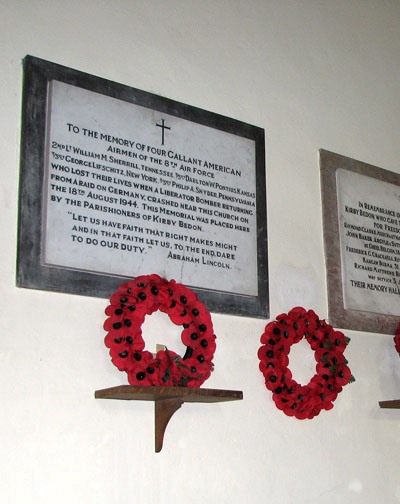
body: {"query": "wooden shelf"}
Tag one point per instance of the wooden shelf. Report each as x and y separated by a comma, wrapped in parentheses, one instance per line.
(394, 404)
(167, 400)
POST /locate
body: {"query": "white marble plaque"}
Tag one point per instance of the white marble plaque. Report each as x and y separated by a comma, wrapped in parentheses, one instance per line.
(130, 190)
(369, 226)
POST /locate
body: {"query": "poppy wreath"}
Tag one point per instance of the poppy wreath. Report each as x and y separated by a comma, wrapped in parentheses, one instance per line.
(128, 308)
(332, 372)
(396, 339)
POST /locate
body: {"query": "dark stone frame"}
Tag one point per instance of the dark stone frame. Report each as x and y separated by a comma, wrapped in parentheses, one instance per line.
(34, 275)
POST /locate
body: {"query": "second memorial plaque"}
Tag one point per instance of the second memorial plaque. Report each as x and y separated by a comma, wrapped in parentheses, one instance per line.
(361, 214)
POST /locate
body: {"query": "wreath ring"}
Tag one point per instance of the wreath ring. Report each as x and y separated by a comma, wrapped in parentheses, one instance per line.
(332, 372)
(128, 308)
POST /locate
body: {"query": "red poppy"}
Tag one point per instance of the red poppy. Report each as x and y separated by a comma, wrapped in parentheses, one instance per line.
(183, 294)
(143, 371)
(343, 375)
(192, 371)
(397, 343)
(396, 339)
(273, 378)
(177, 312)
(338, 341)
(167, 373)
(311, 321)
(297, 316)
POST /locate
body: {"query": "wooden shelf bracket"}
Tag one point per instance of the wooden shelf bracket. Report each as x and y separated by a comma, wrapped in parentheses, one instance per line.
(167, 400)
(163, 411)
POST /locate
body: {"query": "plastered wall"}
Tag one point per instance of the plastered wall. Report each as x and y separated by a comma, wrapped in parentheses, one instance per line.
(314, 74)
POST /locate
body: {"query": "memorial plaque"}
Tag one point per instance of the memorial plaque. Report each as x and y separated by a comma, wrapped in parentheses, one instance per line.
(117, 182)
(361, 208)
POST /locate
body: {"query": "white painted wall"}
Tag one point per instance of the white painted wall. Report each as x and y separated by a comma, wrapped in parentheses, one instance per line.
(313, 73)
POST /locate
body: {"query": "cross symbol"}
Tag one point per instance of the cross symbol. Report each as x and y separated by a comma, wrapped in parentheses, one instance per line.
(163, 127)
